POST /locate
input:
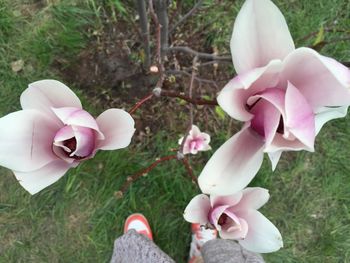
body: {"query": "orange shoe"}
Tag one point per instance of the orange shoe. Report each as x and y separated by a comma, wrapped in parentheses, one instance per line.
(200, 235)
(139, 223)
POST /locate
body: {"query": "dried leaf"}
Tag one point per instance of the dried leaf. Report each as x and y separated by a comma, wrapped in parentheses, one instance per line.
(319, 37)
(17, 65)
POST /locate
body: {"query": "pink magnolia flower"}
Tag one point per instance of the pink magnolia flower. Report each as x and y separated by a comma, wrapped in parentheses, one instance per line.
(53, 133)
(236, 217)
(284, 95)
(196, 141)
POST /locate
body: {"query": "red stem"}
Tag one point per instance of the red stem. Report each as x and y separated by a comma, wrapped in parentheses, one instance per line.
(173, 94)
(145, 171)
(139, 103)
(189, 170)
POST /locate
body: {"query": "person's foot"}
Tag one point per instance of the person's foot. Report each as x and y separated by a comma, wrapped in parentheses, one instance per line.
(200, 235)
(139, 223)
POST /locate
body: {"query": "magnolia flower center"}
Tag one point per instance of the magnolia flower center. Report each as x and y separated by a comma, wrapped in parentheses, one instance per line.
(280, 128)
(74, 142)
(71, 144)
(223, 219)
(249, 107)
(196, 144)
(258, 126)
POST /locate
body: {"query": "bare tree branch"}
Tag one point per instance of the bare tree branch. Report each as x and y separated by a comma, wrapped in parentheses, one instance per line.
(139, 103)
(143, 172)
(181, 72)
(174, 94)
(198, 54)
(161, 7)
(183, 19)
(158, 45)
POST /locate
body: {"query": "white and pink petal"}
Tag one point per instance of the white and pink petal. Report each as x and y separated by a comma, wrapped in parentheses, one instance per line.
(325, 114)
(274, 158)
(37, 180)
(195, 132)
(300, 119)
(260, 34)
(280, 144)
(76, 117)
(252, 198)
(233, 165)
(266, 120)
(262, 236)
(234, 96)
(197, 210)
(85, 141)
(118, 128)
(42, 95)
(322, 81)
(230, 200)
(26, 139)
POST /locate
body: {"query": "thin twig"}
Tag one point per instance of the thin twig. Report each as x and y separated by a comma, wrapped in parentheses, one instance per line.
(190, 13)
(199, 54)
(213, 62)
(208, 63)
(174, 94)
(144, 172)
(182, 72)
(140, 102)
(189, 170)
(194, 72)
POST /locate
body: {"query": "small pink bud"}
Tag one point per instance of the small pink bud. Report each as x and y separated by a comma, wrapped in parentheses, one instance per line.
(195, 141)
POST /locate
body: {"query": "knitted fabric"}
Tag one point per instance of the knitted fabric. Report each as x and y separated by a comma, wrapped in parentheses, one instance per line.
(135, 248)
(228, 251)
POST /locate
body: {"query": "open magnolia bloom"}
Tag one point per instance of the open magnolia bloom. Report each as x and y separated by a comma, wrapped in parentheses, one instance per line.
(196, 141)
(53, 133)
(236, 217)
(284, 95)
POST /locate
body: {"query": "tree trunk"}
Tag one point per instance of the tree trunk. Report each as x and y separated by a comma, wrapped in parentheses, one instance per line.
(161, 8)
(141, 8)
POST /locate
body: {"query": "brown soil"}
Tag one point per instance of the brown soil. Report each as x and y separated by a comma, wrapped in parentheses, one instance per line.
(110, 74)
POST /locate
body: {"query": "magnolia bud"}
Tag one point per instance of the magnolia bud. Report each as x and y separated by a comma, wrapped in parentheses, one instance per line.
(154, 69)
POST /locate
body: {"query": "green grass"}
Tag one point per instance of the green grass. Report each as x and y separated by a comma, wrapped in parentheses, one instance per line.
(78, 218)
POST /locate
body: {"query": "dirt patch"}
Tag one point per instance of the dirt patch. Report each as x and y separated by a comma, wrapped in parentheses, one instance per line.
(109, 64)
(109, 71)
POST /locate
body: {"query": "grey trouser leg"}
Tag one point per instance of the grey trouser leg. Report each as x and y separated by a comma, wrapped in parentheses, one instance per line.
(227, 251)
(135, 248)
